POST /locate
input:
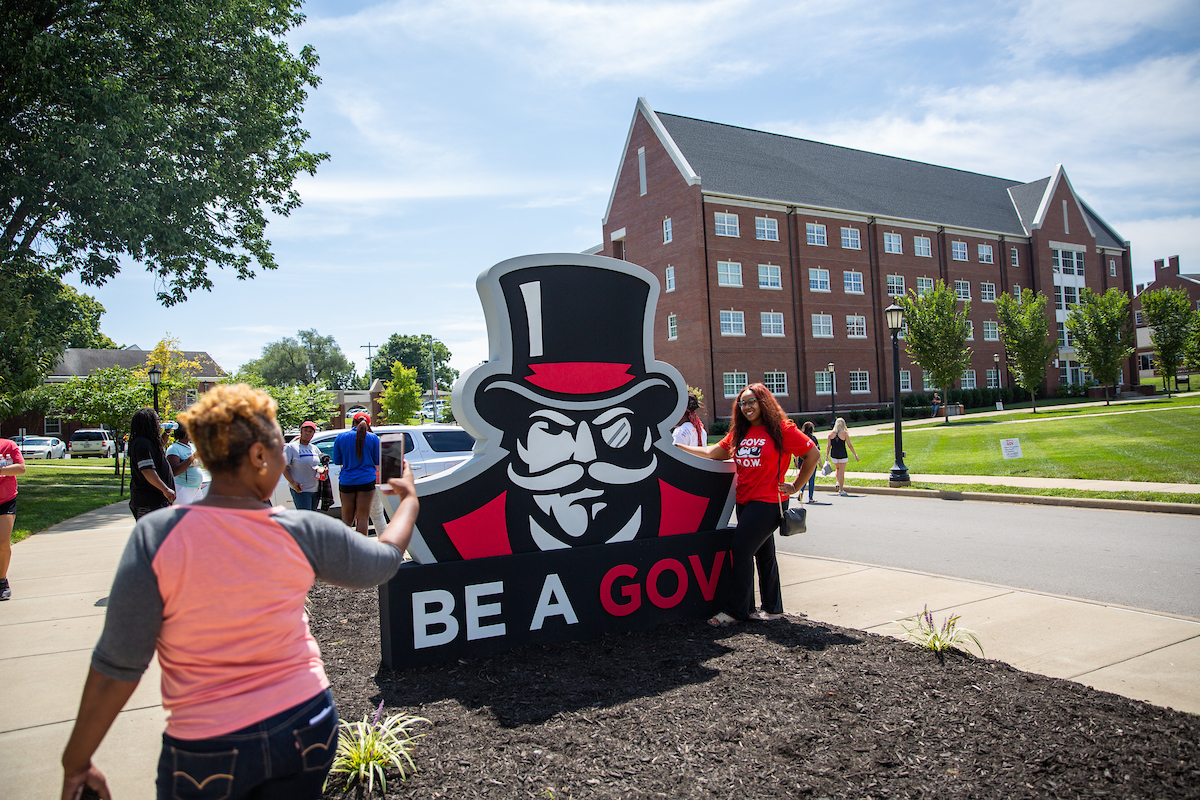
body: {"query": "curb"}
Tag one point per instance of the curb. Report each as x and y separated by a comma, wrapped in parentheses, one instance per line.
(1031, 499)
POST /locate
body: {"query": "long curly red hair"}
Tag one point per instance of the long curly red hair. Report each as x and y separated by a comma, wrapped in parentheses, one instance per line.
(768, 408)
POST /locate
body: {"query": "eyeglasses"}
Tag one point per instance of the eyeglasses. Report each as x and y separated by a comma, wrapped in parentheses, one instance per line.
(749, 401)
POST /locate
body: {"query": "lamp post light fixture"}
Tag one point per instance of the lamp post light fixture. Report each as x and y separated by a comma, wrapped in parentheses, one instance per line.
(996, 361)
(155, 379)
(894, 315)
(832, 394)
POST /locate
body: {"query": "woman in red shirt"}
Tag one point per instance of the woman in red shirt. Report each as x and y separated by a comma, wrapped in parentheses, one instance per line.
(761, 442)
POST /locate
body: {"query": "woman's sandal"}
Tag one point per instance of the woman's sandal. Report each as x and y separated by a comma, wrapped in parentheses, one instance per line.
(722, 620)
(763, 616)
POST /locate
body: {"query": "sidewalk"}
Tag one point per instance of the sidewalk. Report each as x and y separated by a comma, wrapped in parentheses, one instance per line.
(62, 576)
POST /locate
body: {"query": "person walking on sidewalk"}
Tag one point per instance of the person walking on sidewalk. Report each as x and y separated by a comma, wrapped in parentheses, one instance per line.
(839, 440)
(12, 464)
(151, 484)
(217, 589)
(810, 431)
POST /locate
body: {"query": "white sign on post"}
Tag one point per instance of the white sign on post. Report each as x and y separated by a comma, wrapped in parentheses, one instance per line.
(1011, 448)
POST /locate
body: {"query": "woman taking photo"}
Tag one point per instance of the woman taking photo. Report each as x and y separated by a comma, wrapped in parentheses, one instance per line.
(761, 442)
(357, 452)
(217, 590)
(839, 440)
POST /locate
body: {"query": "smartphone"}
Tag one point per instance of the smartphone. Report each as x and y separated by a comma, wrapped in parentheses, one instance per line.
(392, 462)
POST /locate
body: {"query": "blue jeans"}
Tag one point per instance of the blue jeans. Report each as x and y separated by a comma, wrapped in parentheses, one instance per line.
(305, 501)
(284, 757)
(812, 485)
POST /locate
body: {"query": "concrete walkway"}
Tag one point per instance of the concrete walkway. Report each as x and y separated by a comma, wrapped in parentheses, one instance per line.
(61, 578)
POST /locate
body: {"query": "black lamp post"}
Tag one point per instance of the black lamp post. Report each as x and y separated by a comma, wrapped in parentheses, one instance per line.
(155, 380)
(996, 361)
(894, 315)
(832, 394)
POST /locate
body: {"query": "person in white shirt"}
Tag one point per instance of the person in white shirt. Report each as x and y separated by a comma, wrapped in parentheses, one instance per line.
(181, 455)
(690, 430)
(301, 459)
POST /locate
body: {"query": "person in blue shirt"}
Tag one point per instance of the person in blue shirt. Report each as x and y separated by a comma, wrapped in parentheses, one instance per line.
(357, 452)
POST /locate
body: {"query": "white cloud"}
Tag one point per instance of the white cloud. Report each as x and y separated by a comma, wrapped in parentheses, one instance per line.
(1047, 28)
(1162, 237)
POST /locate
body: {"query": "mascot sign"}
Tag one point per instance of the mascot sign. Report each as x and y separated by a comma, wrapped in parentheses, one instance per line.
(577, 516)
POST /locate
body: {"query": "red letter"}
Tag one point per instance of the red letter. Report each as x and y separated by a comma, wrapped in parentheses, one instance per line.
(652, 583)
(708, 583)
(631, 591)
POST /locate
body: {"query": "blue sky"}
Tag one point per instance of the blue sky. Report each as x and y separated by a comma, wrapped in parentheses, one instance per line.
(462, 133)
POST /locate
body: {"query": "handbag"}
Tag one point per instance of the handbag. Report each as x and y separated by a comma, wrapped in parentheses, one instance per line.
(826, 469)
(793, 520)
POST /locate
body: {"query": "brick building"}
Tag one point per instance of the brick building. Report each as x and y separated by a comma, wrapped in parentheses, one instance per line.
(1166, 276)
(777, 256)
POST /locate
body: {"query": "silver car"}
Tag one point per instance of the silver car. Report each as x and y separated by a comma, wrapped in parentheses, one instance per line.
(43, 447)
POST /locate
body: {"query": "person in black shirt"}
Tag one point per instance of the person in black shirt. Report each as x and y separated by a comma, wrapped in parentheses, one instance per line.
(151, 482)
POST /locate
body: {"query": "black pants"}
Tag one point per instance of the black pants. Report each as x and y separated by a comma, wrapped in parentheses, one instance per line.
(754, 543)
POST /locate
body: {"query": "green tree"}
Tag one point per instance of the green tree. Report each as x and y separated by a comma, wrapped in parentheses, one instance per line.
(1101, 333)
(309, 358)
(297, 402)
(413, 352)
(153, 130)
(937, 334)
(1168, 314)
(1191, 356)
(1028, 343)
(178, 374)
(402, 397)
(106, 397)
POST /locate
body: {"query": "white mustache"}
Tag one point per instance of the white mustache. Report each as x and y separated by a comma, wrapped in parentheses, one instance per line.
(568, 474)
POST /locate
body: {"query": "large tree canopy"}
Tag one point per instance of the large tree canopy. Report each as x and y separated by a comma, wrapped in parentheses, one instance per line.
(413, 352)
(307, 359)
(155, 130)
(1101, 333)
(1168, 314)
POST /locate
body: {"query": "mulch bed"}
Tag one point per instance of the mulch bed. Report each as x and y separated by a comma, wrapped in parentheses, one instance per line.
(781, 709)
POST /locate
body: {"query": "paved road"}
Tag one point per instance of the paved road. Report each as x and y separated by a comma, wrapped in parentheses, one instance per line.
(1135, 559)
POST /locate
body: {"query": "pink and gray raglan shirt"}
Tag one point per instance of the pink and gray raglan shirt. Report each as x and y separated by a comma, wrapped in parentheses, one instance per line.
(220, 593)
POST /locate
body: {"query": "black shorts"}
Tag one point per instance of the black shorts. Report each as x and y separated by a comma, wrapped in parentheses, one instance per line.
(353, 488)
(8, 507)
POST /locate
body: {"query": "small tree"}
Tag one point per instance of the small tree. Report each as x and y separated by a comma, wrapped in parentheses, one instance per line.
(177, 373)
(937, 334)
(106, 397)
(402, 396)
(1191, 356)
(1168, 314)
(1025, 332)
(1101, 333)
(301, 402)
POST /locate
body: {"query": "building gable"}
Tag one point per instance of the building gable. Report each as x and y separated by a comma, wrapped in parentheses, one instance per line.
(681, 163)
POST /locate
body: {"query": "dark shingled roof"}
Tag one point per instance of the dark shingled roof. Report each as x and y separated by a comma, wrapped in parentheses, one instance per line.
(84, 361)
(784, 169)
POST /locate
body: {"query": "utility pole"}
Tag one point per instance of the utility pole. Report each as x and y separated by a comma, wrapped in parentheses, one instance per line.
(369, 348)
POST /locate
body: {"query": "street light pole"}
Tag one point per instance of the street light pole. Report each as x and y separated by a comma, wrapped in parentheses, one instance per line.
(155, 379)
(832, 394)
(894, 315)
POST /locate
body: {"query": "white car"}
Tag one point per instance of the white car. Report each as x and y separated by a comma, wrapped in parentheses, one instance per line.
(429, 449)
(92, 442)
(43, 447)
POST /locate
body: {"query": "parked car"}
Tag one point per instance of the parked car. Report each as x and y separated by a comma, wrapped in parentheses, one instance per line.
(92, 442)
(429, 449)
(43, 447)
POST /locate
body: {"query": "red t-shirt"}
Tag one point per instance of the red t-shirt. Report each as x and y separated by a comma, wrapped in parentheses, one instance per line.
(760, 468)
(8, 483)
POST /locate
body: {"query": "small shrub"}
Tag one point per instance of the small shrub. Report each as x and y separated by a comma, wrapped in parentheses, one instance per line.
(820, 421)
(855, 415)
(926, 635)
(719, 428)
(368, 749)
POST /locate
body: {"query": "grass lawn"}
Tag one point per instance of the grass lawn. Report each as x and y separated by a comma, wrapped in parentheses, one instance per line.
(1149, 497)
(1163, 447)
(1156, 403)
(48, 494)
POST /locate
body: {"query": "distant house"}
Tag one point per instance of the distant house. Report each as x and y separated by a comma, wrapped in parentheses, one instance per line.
(80, 362)
(1166, 276)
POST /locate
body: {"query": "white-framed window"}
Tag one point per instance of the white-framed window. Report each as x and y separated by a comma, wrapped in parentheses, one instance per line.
(725, 224)
(672, 327)
(1137, 319)
(1070, 296)
(190, 396)
(1012, 253)
(734, 382)
(924, 286)
(1112, 268)
(766, 228)
(993, 378)
(958, 251)
(962, 290)
(1017, 290)
(670, 279)
(922, 246)
(1058, 303)
(991, 331)
(987, 292)
(818, 279)
(927, 382)
(53, 426)
(733, 323)
(856, 326)
(729, 273)
(815, 233)
(776, 382)
(642, 170)
(895, 285)
(1068, 262)
(903, 331)
(824, 382)
(667, 231)
(970, 331)
(772, 323)
(905, 381)
(769, 277)
(968, 379)
(985, 254)
(850, 239)
(860, 381)
(852, 282)
(1064, 338)
(822, 326)
(893, 243)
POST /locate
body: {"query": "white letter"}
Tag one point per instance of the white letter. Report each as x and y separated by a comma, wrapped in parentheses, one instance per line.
(422, 619)
(475, 611)
(553, 602)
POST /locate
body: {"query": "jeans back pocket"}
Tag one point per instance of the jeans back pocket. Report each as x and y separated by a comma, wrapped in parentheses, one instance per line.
(317, 743)
(202, 776)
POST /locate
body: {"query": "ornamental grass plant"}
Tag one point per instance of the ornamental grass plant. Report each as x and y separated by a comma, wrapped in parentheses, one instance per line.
(369, 749)
(928, 636)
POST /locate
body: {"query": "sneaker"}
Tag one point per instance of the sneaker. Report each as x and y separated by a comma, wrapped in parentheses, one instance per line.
(843, 493)
(812, 500)
(5, 592)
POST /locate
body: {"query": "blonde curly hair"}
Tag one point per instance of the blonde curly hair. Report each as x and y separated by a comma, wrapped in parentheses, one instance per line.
(226, 421)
